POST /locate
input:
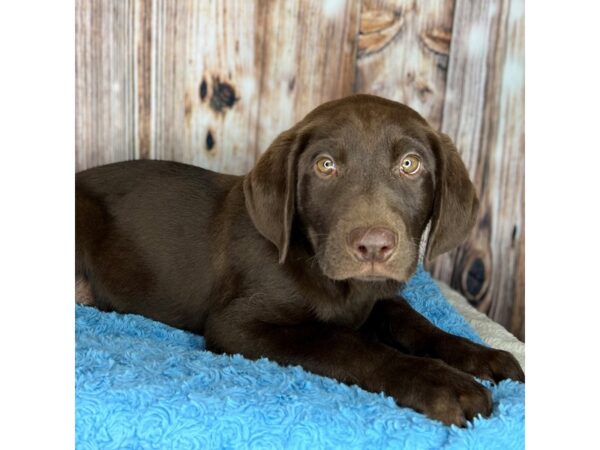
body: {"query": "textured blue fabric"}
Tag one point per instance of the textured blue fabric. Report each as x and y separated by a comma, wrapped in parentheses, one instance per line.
(142, 384)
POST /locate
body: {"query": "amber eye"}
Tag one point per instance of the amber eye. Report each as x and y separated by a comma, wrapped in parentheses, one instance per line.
(410, 164)
(325, 166)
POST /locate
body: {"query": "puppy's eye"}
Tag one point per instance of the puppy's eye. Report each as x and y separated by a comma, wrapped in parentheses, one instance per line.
(325, 166)
(410, 164)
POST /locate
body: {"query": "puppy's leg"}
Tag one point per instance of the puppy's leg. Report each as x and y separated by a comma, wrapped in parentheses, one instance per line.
(426, 385)
(397, 324)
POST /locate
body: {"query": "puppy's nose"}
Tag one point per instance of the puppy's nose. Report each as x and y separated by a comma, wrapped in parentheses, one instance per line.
(372, 244)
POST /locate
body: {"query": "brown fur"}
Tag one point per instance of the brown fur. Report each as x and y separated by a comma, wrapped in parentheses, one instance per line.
(262, 265)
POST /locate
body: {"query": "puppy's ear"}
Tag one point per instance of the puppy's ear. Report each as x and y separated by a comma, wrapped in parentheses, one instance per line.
(455, 205)
(269, 190)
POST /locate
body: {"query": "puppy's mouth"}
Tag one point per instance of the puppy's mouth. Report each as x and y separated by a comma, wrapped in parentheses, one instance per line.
(371, 278)
(376, 272)
(373, 272)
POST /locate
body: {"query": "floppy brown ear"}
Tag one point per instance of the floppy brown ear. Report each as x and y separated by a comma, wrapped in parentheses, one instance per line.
(455, 205)
(269, 190)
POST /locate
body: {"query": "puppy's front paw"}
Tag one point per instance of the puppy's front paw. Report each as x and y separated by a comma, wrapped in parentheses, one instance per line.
(482, 362)
(441, 392)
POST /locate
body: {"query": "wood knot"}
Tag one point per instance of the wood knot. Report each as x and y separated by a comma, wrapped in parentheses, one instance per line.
(475, 278)
(423, 89)
(514, 235)
(377, 29)
(223, 95)
(437, 41)
(210, 141)
(203, 90)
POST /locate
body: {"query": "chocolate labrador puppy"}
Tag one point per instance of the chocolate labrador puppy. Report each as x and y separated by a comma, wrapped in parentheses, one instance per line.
(301, 260)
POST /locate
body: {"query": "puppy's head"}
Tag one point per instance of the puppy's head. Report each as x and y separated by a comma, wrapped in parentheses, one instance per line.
(362, 177)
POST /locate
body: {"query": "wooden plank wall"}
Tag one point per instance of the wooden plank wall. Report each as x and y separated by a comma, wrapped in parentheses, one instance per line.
(213, 82)
(484, 112)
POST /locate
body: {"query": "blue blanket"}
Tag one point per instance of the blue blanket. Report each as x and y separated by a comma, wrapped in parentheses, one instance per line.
(142, 384)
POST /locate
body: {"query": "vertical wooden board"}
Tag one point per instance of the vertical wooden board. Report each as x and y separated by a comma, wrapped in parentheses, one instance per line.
(507, 173)
(307, 52)
(143, 11)
(403, 53)
(104, 91)
(205, 83)
(463, 118)
(483, 113)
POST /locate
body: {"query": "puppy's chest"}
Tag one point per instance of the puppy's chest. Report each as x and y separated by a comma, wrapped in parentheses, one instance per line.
(350, 311)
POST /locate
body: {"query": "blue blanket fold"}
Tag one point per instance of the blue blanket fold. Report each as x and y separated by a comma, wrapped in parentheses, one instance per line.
(142, 384)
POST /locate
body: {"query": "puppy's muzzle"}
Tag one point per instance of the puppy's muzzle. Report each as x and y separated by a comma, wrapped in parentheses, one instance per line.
(374, 244)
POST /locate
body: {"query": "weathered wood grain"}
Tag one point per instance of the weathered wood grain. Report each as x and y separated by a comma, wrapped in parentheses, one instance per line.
(308, 54)
(483, 113)
(104, 92)
(507, 134)
(143, 19)
(403, 52)
(206, 83)
(213, 82)
(226, 86)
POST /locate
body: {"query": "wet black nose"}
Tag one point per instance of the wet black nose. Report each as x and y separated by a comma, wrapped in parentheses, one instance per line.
(372, 244)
